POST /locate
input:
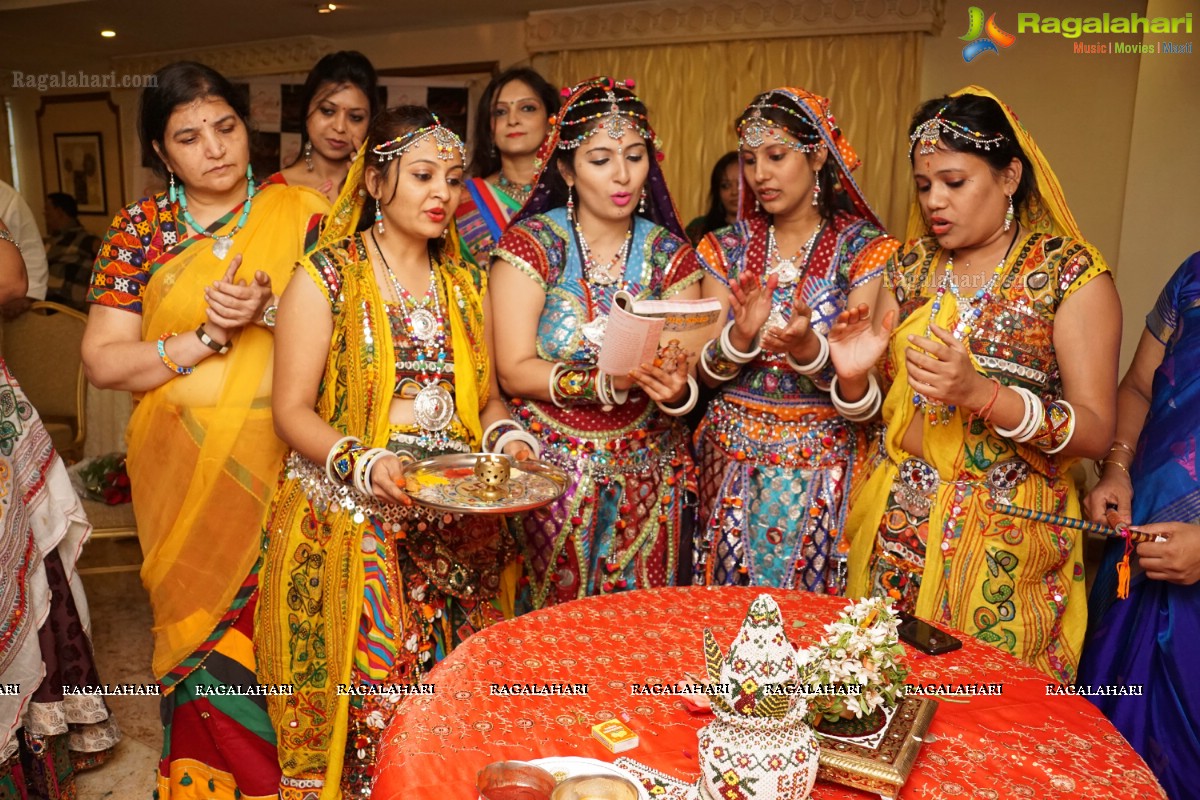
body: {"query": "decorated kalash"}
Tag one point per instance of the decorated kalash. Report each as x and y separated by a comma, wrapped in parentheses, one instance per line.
(784, 717)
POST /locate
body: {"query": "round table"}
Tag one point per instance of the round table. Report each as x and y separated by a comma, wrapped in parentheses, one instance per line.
(1023, 743)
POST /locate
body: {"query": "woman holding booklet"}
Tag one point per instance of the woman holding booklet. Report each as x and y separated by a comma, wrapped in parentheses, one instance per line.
(600, 221)
(775, 455)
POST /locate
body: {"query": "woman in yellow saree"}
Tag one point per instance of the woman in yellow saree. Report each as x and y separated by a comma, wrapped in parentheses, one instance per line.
(182, 297)
(999, 373)
(383, 356)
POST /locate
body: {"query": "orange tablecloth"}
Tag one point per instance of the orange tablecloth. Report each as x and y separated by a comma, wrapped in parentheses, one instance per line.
(1021, 744)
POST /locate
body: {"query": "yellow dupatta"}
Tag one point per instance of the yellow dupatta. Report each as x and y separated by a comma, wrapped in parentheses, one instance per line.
(202, 448)
(955, 594)
(312, 724)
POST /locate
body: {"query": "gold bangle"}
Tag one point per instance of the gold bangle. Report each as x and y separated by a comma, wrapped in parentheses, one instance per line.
(1116, 464)
(1118, 443)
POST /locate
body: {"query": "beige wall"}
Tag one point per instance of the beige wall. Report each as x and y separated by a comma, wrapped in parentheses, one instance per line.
(1160, 224)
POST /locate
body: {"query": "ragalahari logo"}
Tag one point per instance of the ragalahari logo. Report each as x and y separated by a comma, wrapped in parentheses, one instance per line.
(983, 38)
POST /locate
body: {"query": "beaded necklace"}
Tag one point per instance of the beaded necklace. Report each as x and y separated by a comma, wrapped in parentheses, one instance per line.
(968, 315)
(433, 406)
(517, 191)
(223, 242)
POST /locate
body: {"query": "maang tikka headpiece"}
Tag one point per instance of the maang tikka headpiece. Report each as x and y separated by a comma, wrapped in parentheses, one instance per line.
(446, 140)
(615, 121)
(929, 133)
(755, 130)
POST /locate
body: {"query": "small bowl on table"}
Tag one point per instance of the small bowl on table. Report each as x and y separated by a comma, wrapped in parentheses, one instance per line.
(595, 787)
(514, 780)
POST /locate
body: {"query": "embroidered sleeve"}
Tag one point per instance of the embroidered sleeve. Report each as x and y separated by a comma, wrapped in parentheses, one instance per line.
(122, 266)
(324, 267)
(1078, 264)
(712, 258)
(683, 268)
(870, 259)
(524, 246)
(1163, 318)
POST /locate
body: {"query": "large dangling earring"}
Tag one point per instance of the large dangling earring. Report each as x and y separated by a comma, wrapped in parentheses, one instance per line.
(816, 187)
(571, 204)
(642, 202)
(171, 188)
(308, 156)
(757, 205)
(379, 218)
(1009, 215)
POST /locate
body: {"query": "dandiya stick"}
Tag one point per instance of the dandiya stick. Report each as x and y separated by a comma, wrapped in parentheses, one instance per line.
(1136, 537)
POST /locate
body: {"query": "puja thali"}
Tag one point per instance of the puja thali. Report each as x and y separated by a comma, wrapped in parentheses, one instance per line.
(483, 483)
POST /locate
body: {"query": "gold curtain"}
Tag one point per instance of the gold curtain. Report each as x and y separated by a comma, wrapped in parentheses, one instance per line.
(695, 92)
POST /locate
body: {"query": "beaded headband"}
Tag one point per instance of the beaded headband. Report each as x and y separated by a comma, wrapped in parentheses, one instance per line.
(615, 121)
(446, 140)
(753, 132)
(929, 133)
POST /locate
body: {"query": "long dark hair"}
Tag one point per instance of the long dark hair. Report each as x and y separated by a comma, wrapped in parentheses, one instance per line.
(341, 68)
(786, 113)
(984, 116)
(716, 217)
(175, 85)
(485, 159)
(387, 125)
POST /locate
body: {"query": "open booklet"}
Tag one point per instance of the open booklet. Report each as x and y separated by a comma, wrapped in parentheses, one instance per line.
(639, 331)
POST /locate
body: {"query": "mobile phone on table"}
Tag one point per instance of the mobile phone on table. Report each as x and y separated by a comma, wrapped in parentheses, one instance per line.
(925, 637)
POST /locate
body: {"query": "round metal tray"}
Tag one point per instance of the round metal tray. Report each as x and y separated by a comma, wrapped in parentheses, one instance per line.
(448, 483)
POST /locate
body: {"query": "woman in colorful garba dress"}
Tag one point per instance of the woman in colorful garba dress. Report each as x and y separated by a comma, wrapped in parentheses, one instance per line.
(1152, 638)
(510, 125)
(775, 456)
(48, 732)
(182, 303)
(383, 358)
(999, 328)
(339, 100)
(601, 220)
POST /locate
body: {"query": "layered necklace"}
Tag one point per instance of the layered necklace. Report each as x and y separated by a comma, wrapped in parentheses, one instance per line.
(602, 274)
(223, 242)
(969, 312)
(787, 271)
(517, 191)
(433, 406)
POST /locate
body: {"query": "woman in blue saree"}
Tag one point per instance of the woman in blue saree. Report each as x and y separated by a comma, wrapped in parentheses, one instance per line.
(1152, 638)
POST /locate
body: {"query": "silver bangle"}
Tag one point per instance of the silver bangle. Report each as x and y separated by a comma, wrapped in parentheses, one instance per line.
(862, 409)
(362, 470)
(693, 396)
(329, 456)
(733, 354)
(817, 364)
(518, 436)
(558, 367)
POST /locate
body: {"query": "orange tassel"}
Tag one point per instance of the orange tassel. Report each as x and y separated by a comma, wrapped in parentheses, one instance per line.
(1123, 575)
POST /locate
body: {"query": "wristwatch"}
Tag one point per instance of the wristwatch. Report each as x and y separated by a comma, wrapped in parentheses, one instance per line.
(268, 315)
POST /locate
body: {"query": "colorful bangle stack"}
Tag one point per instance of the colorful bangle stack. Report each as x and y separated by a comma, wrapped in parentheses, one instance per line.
(166, 359)
(688, 405)
(862, 409)
(1056, 427)
(570, 384)
(341, 459)
(817, 364)
(721, 361)
(607, 394)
